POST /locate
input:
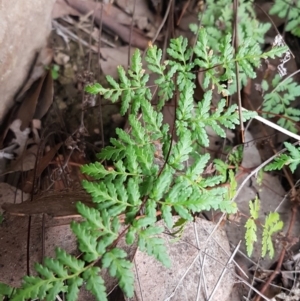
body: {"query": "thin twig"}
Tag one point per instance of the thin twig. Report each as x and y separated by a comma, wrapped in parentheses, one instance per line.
(275, 126)
(237, 71)
(162, 22)
(130, 35)
(201, 267)
(223, 272)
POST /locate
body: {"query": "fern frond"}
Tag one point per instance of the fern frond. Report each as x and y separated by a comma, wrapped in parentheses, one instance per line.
(251, 227)
(279, 102)
(272, 225)
(288, 10)
(5, 290)
(153, 245)
(292, 159)
(121, 268)
(149, 173)
(95, 283)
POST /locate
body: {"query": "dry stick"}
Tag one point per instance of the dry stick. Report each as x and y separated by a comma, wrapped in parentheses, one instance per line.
(280, 84)
(275, 126)
(89, 63)
(253, 288)
(295, 136)
(223, 272)
(72, 35)
(237, 71)
(41, 147)
(183, 276)
(163, 22)
(70, 21)
(271, 21)
(253, 279)
(99, 75)
(194, 260)
(245, 282)
(185, 6)
(203, 274)
(202, 266)
(196, 37)
(138, 279)
(90, 38)
(130, 35)
(228, 254)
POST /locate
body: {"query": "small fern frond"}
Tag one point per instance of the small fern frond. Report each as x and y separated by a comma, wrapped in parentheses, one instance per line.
(5, 291)
(251, 228)
(153, 245)
(289, 10)
(279, 102)
(292, 159)
(95, 283)
(272, 225)
(121, 268)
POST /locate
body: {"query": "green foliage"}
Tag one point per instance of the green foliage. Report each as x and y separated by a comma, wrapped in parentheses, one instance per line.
(251, 227)
(290, 11)
(55, 71)
(5, 290)
(236, 156)
(151, 175)
(218, 18)
(279, 102)
(291, 159)
(272, 225)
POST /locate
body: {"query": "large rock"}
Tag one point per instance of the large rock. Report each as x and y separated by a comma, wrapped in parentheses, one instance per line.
(24, 28)
(193, 265)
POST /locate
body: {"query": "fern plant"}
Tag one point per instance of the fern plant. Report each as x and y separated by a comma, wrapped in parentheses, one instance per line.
(272, 225)
(251, 227)
(217, 19)
(290, 11)
(279, 101)
(291, 159)
(139, 185)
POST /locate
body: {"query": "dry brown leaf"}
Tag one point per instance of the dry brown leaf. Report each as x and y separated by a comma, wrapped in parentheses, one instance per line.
(56, 204)
(39, 69)
(45, 98)
(41, 90)
(41, 166)
(25, 162)
(107, 21)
